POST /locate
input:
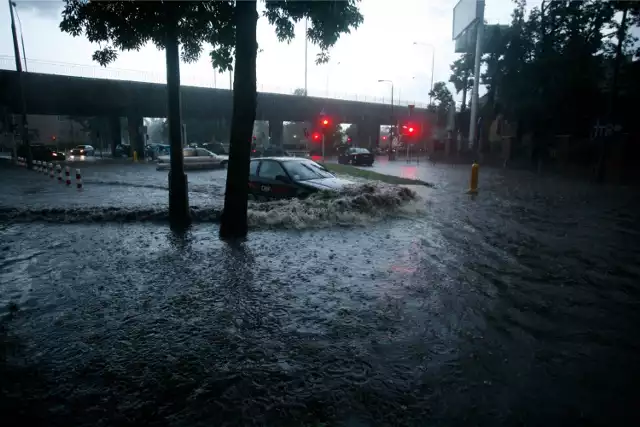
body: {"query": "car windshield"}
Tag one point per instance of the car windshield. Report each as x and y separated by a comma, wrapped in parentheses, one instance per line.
(359, 151)
(303, 171)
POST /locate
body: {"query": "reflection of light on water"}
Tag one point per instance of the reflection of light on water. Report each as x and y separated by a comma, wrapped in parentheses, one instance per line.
(409, 172)
(401, 269)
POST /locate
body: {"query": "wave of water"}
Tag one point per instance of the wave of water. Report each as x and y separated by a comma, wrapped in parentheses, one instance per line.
(357, 205)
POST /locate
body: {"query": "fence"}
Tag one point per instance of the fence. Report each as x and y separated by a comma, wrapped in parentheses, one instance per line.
(67, 69)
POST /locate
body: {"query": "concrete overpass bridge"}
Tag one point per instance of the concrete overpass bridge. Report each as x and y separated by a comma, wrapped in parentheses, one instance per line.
(50, 94)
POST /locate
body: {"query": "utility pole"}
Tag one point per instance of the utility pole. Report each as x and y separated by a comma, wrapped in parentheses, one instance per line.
(306, 62)
(475, 98)
(16, 51)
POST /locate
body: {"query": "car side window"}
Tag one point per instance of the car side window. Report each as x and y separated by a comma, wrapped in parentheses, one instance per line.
(202, 152)
(188, 152)
(270, 169)
(253, 168)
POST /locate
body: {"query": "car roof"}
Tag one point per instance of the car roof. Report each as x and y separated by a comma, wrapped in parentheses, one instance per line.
(283, 159)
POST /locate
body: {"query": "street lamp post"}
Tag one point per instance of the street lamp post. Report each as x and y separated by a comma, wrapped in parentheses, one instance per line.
(16, 50)
(306, 62)
(392, 120)
(433, 63)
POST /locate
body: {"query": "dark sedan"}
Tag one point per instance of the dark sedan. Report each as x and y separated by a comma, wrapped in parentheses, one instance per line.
(285, 177)
(41, 153)
(356, 156)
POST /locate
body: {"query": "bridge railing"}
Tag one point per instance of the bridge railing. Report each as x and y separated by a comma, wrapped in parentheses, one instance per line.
(96, 72)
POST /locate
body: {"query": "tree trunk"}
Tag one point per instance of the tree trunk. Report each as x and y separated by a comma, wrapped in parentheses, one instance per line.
(234, 216)
(178, 194)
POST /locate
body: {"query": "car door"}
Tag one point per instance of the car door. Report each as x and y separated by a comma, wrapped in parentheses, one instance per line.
(271, 183)
(254, 181)
(206, 158)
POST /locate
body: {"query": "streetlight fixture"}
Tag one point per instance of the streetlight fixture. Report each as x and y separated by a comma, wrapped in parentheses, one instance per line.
(392, 121)
(433, 62)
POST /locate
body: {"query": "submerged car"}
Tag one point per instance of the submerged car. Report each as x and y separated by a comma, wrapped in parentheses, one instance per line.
(356, 156)
(285, 177)
(196, 158)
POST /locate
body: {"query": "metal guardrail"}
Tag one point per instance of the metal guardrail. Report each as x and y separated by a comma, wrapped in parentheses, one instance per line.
(95, 72)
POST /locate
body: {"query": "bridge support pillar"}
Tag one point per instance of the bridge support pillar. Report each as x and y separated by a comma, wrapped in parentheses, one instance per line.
(136, 139)
(368, 133)
(115, 133)
(276, 132)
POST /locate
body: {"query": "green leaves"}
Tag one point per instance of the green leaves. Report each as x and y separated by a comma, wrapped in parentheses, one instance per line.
(129, 25)
(553, 69)
(328, 20)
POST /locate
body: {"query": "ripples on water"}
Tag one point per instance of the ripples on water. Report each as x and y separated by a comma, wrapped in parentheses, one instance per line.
(507, 309)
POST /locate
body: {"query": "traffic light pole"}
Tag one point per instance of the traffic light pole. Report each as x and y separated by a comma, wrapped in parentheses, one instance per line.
(323, 158)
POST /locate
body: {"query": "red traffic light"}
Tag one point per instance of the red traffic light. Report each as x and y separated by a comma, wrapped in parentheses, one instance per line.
(316, 136)
(409, 129)
(53, 138)
(325, 122)
(384, 138)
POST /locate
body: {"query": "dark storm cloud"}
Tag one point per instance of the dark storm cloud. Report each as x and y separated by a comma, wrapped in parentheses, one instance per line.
(45, 8)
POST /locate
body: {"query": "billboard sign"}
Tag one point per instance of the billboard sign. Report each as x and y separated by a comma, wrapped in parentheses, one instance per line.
(465, 14)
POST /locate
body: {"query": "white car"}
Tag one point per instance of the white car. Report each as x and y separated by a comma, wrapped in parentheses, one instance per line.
(83, 150)
(196, 158)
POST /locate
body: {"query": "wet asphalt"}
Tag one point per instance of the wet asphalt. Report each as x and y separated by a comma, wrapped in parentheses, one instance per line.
(514, 307)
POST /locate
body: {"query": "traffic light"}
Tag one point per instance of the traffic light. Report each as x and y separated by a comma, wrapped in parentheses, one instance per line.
(316, 136)
(324, 123)
(53, 138)
(348, 140)
(409, 129)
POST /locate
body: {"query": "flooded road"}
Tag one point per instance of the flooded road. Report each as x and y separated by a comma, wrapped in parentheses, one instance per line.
(515, 307)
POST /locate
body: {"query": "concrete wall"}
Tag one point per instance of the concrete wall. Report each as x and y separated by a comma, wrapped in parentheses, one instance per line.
(64, 95)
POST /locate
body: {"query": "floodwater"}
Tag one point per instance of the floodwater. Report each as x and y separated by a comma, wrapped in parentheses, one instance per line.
(378, 307)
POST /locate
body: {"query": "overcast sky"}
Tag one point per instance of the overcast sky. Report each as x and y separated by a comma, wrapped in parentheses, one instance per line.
(382, 48)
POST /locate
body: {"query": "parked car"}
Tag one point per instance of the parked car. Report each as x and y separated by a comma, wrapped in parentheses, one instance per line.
(41, 153)
(356, 156)
(215, 148)
(83, 150)
(153, 151)
(286, 177)
(123, 150)
(196, 158)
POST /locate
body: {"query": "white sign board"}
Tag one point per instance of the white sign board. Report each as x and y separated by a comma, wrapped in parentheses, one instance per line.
(465, 14)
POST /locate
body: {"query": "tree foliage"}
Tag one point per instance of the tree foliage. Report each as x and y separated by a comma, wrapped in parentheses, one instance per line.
(443, 101)
(129, 25)
(553, 72)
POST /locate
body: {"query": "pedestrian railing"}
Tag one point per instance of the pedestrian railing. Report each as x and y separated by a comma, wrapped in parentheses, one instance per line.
(95, 72)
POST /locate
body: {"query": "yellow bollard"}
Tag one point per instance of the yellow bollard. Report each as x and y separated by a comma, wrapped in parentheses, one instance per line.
(135, 156)
(473, 184)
